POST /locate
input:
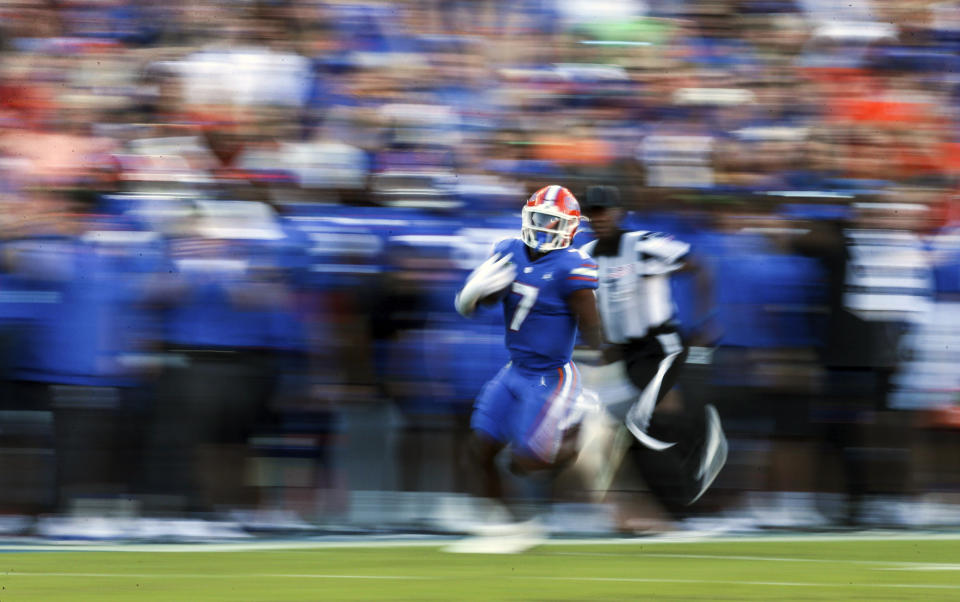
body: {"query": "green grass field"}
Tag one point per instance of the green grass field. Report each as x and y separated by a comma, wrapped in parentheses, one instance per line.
(800, 568)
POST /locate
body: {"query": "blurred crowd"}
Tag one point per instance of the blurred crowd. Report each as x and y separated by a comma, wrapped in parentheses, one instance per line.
(231, 231)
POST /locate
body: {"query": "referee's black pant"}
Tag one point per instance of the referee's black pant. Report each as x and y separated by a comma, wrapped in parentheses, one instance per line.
(653, 365)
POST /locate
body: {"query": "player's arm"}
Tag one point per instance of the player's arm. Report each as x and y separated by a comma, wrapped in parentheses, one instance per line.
(491, 277)
(672, 254)
(583, 304)
(581, 283)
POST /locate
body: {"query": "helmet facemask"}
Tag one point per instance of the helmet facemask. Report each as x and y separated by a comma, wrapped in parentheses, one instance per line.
(547, 228)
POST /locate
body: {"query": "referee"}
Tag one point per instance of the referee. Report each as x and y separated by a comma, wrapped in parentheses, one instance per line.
(679, 451)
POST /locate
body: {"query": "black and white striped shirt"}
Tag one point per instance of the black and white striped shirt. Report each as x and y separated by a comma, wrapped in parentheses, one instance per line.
(634, 293)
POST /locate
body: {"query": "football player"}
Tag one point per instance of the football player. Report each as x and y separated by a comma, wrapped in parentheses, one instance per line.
(546, 290)
(680, 451)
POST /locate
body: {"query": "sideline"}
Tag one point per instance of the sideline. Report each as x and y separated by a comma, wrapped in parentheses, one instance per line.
(406, 541)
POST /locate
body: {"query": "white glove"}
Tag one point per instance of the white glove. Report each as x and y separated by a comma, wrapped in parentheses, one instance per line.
(491, 276)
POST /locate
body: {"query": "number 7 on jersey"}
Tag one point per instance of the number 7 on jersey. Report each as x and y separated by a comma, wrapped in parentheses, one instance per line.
(528, 296)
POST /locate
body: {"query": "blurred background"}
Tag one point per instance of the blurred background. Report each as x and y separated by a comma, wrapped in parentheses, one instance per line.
(231, 232)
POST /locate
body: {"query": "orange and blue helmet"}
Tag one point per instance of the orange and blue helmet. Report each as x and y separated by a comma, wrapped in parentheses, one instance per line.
(550, 219)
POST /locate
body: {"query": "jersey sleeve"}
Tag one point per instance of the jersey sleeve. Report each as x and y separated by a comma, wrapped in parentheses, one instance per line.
(666, 250)
(502, 246)
(581, 272)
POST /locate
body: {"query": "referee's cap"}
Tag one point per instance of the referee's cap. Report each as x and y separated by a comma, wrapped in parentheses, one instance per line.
(601, 197)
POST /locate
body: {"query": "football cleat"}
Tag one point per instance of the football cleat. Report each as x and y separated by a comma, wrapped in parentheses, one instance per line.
(550, 219)
(507, 538)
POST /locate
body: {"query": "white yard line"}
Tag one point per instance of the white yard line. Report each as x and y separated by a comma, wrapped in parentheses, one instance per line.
(739, 582)
(925, 567)
(885, 565)
(700, 538)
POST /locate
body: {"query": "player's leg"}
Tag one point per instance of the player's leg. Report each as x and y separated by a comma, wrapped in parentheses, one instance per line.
(653, 365)
(493, 424)
(606, 439)
(701, 442)
(482, 451)
(684, 448)
(524, 463)
(490, 432)
(660, 444)
(545, 432)
(546, 436)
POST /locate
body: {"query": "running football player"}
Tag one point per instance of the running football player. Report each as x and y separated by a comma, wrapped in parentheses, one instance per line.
(546, 289)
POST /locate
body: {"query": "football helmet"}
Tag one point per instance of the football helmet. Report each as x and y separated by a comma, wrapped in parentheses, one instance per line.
(550, 219)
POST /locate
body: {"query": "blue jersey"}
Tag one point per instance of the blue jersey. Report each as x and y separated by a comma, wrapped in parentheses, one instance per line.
(541, 329)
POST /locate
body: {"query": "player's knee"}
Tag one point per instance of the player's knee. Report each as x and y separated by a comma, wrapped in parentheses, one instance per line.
(569, 449)
(523, 464)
